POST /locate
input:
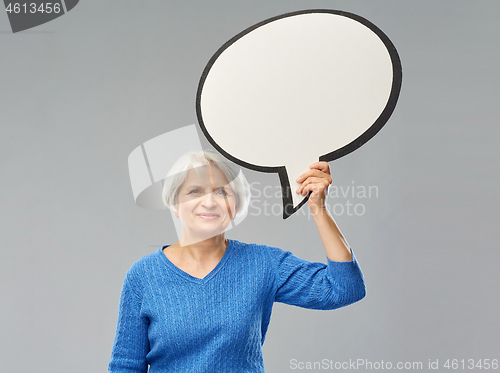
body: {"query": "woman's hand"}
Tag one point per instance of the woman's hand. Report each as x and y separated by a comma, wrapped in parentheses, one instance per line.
(316, 180)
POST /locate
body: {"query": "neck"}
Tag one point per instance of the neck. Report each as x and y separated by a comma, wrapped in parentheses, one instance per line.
(206, 249)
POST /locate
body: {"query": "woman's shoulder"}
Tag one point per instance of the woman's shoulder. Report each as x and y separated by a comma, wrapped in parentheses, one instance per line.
(145, 264)
(258, 249)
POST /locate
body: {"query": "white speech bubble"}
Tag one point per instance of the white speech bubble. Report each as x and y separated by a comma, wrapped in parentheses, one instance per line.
(298, 88)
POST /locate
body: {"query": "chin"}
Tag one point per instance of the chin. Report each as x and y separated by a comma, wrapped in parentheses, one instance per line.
(203, 229)
(209, 233)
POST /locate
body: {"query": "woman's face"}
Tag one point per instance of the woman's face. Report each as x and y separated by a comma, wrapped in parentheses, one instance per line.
(205, 204)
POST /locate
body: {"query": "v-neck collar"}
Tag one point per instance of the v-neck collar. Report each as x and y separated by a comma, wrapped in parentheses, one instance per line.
(186, 275)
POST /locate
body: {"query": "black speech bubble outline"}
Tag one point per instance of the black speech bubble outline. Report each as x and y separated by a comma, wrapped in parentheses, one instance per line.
(288, 208)
(24, 21)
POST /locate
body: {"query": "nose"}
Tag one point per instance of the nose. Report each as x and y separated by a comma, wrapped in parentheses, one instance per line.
(208, 200)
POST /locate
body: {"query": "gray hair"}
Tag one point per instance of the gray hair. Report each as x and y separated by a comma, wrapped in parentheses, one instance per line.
(178, 174)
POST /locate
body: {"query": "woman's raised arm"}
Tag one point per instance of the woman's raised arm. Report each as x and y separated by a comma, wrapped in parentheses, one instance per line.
(316, 181)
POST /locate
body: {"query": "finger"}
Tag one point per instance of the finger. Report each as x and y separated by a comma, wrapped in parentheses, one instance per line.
(322, 166)
(309, 180)
(316, 189)
(314, 182)
(320, 177)
(324, 183)
(313, 172)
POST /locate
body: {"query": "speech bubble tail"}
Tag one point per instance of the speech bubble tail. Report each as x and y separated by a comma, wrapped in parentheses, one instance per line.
(291, 200)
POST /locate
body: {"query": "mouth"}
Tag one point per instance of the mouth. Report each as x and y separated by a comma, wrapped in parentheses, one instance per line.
(208, 216)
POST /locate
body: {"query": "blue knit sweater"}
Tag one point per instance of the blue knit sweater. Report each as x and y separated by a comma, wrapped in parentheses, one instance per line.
(179, 323)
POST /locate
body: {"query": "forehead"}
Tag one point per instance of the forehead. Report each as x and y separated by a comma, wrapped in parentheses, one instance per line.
(204, 176)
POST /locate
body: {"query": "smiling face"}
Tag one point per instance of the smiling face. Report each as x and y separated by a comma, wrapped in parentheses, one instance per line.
(205, 204)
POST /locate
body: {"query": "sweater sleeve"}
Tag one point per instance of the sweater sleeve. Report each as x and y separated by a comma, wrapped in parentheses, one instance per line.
(318, 285)
(131, 343)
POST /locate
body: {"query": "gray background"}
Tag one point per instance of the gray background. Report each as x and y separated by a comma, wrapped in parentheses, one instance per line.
(78, 94)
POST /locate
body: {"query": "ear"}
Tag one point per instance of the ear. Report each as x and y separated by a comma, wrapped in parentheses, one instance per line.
(176, 211)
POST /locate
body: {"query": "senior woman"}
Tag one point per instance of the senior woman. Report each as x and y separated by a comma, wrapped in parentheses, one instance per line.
(203, 304)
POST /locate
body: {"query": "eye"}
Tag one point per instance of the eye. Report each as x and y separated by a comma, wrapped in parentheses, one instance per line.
(194, 191)
(221, 192)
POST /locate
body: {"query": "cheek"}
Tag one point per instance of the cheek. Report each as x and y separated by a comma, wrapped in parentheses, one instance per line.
(186, 207)
(230, 206)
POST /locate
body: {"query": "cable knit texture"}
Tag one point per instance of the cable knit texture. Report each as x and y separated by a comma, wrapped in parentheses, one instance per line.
(178, 323)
